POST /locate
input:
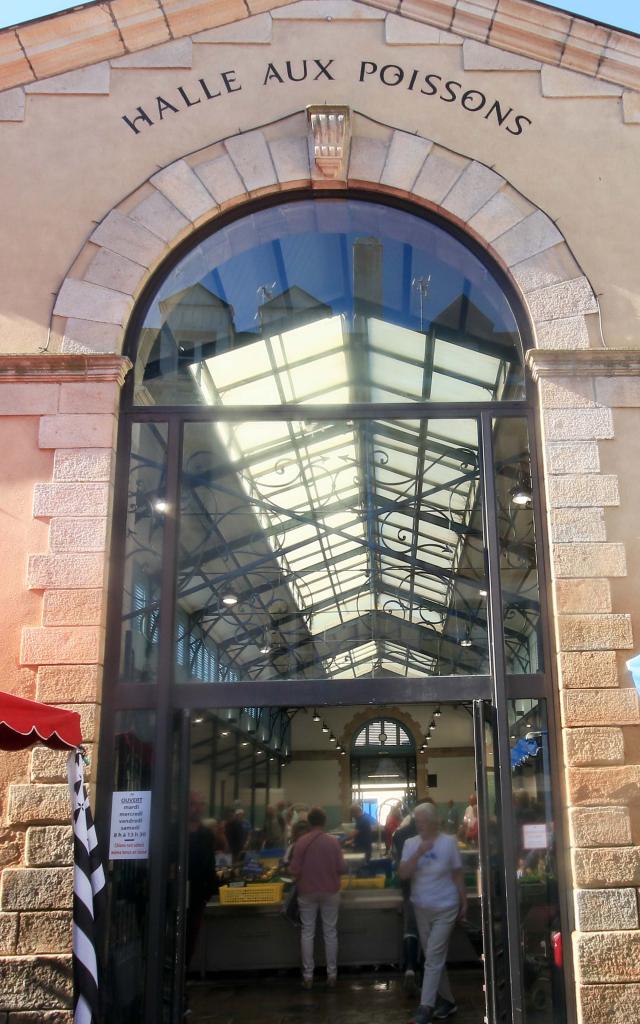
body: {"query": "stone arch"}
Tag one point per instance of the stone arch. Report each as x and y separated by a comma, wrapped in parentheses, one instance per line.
(411, 724)
(96, 298)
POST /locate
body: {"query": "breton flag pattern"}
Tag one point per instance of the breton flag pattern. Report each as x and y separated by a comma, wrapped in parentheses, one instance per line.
(88, 893)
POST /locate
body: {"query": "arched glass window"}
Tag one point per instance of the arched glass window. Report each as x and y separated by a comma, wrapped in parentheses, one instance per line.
(328, 301)
(380, 735)
(325, 365)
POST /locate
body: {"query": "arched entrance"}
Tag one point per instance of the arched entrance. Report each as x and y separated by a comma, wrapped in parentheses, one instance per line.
(328, 498)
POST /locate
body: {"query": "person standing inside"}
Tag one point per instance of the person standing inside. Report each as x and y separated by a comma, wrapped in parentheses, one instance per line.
(410, 941)
(452, 821)
(361, 840)
(392, 823)
(432, 863)
(317, 864)
(470, 821)
(202, 878)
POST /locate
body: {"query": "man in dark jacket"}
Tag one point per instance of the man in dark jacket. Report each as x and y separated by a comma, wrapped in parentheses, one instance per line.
(202, 878)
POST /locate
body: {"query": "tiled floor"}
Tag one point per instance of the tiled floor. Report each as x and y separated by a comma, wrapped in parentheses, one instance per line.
(371, 998)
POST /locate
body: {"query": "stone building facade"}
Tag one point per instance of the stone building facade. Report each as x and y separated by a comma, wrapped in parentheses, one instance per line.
(128, 124)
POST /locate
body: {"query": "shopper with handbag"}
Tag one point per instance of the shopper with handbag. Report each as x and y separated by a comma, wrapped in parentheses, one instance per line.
(317, 864)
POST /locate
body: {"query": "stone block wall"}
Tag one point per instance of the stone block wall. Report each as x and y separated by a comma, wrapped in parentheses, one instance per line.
(584, 399)
(72, 401)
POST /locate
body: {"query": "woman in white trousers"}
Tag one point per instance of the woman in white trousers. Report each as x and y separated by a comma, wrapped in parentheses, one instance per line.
(432, 863)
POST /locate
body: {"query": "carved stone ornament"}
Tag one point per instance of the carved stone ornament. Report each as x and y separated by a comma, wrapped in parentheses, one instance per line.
(331, 138)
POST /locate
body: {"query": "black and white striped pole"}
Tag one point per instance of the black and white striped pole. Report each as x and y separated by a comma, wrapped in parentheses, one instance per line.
(88, 896)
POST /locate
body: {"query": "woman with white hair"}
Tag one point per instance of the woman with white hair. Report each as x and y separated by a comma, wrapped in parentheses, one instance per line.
(432, 863)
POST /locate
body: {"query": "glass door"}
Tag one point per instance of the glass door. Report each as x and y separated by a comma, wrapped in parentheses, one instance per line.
(494, 926)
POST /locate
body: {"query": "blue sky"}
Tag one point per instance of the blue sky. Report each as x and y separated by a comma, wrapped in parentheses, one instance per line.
(623, 13)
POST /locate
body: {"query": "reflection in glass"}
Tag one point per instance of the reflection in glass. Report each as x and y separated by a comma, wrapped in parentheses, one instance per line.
(321, 550)
(129, 879)
(536, 867)
(328, 301)
(518, 564)
(146, 511)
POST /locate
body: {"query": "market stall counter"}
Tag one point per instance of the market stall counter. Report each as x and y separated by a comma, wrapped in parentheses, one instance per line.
(254, 937)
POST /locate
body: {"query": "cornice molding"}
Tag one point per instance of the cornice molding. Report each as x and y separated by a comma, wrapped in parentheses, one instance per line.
(99, 31)
(21, 368)
(605, 362)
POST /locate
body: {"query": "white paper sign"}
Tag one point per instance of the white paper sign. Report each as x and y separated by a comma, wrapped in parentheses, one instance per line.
(130, 813)
(534, 837)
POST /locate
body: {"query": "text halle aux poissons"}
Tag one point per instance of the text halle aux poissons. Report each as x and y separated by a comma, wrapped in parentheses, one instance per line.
(390, 75)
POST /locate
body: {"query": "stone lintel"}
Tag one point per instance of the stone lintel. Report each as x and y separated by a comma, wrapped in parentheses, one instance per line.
(70, 368)
(600, 362)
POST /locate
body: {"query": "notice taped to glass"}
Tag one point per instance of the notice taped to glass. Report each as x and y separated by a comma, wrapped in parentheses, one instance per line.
(130, 814)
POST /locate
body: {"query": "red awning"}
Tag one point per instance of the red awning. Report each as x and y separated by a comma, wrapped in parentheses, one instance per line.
(24, 722)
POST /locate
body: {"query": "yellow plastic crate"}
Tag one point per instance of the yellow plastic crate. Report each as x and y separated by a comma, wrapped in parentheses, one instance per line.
(377, 882)
(256, 893)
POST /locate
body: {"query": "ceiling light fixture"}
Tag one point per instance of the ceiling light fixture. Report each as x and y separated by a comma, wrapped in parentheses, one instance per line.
(316, 716)
(466, 640)
(229, 598)
(224, 732)
(325, 727)
(199, 720)
(520, 494)
(161, 505)
(437, 713)
(332, 739)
